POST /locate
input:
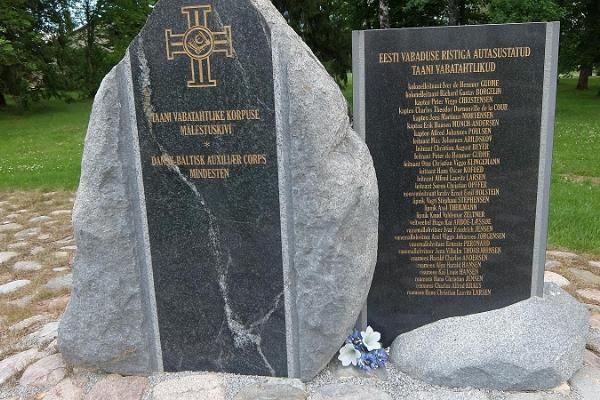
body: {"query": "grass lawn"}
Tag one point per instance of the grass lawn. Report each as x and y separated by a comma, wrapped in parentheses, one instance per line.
(42, 149)
(575, 191)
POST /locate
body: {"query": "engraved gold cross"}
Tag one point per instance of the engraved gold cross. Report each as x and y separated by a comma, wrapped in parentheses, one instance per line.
(199, 43)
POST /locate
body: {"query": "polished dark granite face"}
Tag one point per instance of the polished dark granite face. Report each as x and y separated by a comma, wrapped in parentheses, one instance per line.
(516, 142)
(214, 223)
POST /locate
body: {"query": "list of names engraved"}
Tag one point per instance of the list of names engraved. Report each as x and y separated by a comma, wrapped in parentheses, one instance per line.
(451, 122)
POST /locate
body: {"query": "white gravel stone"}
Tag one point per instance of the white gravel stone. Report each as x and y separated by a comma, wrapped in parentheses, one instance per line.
(52, 348)
(46, 372)
(60, 282)
(61, 212)
(447, 394)
(592, 359)
(526, 396)
(6, 256)
(27, 233)
(67, 389)
(60, 254)
(37, 250)
(27, 323)
(587, 383)
(193, 387)
(13, 365)
(10, 227)
(18, 245)
(60, 269)
(40, 219)
(271, 390)
(70, 248)
(13, 286)
(586, 276)
(589, 294)
(557, 279)
(553, 264)
(115, 387)
(348, 391)
(65, 241)
(27, 266)
(562, 254)
(563, 389)
(44, 237)
(593, 339)
(595, 264)
(43, 336)
(339, 371)
(21, 302)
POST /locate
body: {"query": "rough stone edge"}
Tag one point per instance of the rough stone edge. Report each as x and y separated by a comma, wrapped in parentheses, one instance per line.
(151, 360)
(552, 30)
(280, 31)
(551, 290)
(147, 272)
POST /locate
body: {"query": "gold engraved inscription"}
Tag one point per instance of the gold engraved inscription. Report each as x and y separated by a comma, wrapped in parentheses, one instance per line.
(451, 123)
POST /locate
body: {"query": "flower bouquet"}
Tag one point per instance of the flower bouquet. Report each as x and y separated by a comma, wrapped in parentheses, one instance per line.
(363, 350)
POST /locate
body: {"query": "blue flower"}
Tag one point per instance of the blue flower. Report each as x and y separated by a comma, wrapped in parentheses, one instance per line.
(363, 350)
(381, 356)
(356, 340)
(368, 361)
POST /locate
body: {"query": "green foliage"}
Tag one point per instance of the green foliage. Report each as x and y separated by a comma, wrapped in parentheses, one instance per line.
(31, 33)
(417, 12)
(106, 29)
(43, 55)
(326, 26)
(580, 30)
(504, 11)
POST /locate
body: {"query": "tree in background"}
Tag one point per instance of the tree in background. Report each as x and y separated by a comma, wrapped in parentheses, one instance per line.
(384, 14)
(48, 47)
(122, 20)
(412, 13)
(456, 12)
(85, 39)
(32, 37)
(106, 27)
(580, 45)
(326, 26)
(408, 13)
(505, 11)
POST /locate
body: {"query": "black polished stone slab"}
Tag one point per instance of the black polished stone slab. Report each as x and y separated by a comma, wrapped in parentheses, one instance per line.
(395, 305)
(213, 207)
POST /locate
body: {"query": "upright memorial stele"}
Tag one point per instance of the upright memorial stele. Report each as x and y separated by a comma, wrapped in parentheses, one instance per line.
(226, 218)
(459, 121)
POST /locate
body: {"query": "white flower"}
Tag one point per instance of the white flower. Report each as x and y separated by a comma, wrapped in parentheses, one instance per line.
(349, 355)
(371, 339)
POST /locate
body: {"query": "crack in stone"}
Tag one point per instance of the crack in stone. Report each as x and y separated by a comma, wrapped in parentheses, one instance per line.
(242, 335)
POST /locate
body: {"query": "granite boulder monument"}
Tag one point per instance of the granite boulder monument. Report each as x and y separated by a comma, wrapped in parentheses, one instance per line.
(226, 218)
